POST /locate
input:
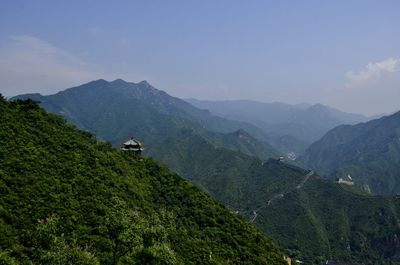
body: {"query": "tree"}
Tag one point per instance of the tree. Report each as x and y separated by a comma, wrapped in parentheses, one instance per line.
(53, 248)
(135, 240)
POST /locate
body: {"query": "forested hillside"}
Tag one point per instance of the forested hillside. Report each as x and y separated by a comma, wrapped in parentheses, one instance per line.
(326, 221)
(68, 199)
(314, 219)
(368, 152)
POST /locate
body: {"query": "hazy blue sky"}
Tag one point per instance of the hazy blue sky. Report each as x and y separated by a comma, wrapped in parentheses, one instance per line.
(342, 53)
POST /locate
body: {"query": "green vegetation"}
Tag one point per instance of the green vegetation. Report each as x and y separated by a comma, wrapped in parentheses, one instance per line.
(369, 152)
(68, 199)
(232, 177)
(304, 220)
(323, 221)
(314, 222)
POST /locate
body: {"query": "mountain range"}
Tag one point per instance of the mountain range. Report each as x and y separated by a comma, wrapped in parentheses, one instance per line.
(303, 212)
(115, 110)
(289, 128)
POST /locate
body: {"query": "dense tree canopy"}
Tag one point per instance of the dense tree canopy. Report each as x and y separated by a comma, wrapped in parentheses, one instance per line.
(68, 199)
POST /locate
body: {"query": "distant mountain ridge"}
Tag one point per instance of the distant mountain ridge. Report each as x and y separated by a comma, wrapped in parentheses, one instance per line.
(302, 123)
(369, 152)
(114, 110)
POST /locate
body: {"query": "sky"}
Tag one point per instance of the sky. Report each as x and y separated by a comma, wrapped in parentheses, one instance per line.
(344, 53)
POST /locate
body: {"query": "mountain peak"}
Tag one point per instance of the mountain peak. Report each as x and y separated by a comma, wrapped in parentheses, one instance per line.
(318, 106)
(145, 83)
(101, 80)
(119, 80)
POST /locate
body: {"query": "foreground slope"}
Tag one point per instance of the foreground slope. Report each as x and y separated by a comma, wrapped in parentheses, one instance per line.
(369, 152)
(66, 198)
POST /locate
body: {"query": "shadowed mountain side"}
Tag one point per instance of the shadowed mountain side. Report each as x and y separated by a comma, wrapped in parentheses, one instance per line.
(314, 219)
(368, 152)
